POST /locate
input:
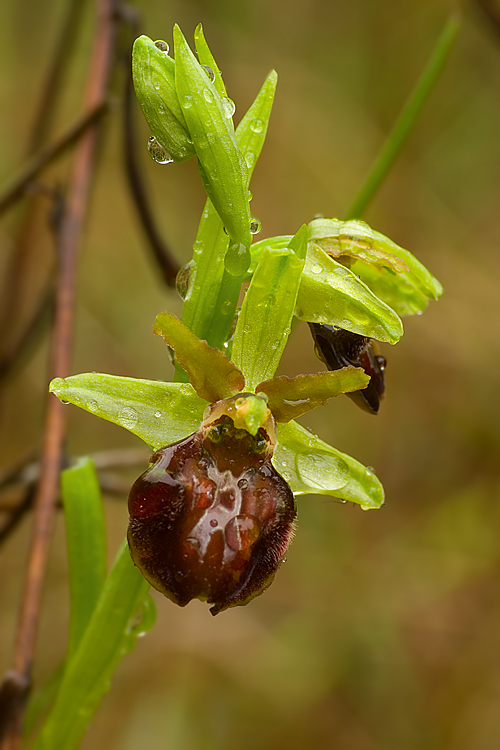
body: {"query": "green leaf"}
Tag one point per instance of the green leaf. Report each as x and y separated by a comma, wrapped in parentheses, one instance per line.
(109, 635)
(407, 119)
(86, 541)
(330, 293)
(289, 398)
(154, 82)
(157, 412)
(206, 58)
(212, 298)
(222, 167)
(212, 374)
(311, 466)
(264, 322)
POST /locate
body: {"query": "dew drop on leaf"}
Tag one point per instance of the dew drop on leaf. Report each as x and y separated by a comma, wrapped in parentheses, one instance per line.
(255, 226)
(209, 97)
(128, 417)
(92, 405)
(257, 126)
(228, 107)
(157, 152)
(162, 46)
(210, 73)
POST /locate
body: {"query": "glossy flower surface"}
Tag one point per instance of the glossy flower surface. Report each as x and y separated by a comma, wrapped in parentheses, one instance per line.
(212, 518)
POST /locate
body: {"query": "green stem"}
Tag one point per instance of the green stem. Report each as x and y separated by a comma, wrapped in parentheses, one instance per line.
(406, 120)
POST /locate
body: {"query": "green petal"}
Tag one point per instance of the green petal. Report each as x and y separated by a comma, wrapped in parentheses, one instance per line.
(311, 466)
(289, 398)
(159, 413)
(212, 374)
(332, 294)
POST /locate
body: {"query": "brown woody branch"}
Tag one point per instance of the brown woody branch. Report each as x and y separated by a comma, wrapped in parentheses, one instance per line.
(19, 678)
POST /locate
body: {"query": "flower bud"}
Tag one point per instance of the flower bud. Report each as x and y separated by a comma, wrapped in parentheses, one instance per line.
(212, 518)
(154, 82)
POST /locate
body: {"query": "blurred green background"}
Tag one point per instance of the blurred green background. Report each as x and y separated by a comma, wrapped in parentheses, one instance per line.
(382, 630)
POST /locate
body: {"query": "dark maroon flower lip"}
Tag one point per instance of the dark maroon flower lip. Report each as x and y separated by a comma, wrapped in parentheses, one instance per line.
(339, 348)
(211, 518)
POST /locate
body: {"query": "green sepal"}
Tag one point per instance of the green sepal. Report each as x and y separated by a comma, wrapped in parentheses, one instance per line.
(354, 239)
(289, 398)
(264, 322)
(212, 375)
(313, 467)
(222, 167)
(333, 295)
(391, 272)
(154, 82)
(159, 413)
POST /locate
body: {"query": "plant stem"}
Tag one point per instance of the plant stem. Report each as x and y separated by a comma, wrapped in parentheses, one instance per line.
(407, 119)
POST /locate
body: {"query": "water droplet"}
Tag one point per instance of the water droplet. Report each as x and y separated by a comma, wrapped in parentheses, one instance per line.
(163, 46)
(242, 531)
(63, 401)
(210, 73)
(209, 97)
(250, 196)
(322, 470)
(183, 278)
(92, 405)
(187, 101)
(237, 259)
(158, 414)
(157, 152)
(243, 484)
(228, 107)
(214, 522)
(128, 417)
(257, 126)
(316, 269)
(226, 307)
(255, 226)
(250, 159)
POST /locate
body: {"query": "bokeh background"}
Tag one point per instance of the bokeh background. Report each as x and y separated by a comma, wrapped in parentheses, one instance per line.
(382, 630)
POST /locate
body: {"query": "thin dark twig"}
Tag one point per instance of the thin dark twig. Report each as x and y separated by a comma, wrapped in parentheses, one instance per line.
(61, 346)
(40, 160)
(39, 318)
(17, 513)
(55, 75)
(161, 252)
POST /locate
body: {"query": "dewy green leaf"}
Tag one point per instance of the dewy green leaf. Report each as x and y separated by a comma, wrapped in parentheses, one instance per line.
(311, 466)
(206, 58)
(331, 294)
(107, 637)
(158, 413)
(212, 374)
(222, 166)
(154, 81)
(212, 297)
(289, 398)
(264, 322)
(86, 541)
